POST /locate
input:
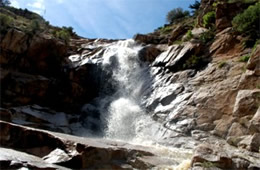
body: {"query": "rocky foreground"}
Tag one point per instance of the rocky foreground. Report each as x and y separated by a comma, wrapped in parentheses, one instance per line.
(204, 98)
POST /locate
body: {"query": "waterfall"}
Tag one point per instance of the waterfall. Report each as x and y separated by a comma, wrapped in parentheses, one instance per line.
(121, 114)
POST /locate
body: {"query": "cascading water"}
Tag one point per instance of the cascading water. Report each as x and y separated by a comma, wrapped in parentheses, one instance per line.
(121, 114)
(118, 112)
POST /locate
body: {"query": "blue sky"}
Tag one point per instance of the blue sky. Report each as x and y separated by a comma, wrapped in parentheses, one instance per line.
(105, 18)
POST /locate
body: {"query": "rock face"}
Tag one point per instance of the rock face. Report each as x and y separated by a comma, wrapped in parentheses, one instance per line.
(194, 92)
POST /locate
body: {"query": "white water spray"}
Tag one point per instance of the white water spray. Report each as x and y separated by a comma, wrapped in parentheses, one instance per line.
(124, 112)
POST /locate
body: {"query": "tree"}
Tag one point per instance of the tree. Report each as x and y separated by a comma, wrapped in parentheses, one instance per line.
(176, 14)
(194, 7)
(5, 2)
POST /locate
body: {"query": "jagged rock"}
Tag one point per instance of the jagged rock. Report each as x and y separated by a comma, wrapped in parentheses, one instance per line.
(224, 15)
(223, 125)
(246, 102)
(251, 142)
(255, 122)
(254, 61)
(165, 57)
(45, 55)
(234, 140)
(179, 31)
(187, 51)
(211, 155)
(149, 53)
(148, 39)
(14, 41)
(23, 88)
(225, 43)
(237, 129)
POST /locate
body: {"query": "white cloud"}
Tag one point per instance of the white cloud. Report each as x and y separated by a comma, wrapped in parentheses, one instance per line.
(37, 6)
(15, 3)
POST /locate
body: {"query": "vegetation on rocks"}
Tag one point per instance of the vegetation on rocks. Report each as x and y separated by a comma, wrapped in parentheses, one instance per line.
(247, 22)
(176, 14)
(5, 22)
(209, 19)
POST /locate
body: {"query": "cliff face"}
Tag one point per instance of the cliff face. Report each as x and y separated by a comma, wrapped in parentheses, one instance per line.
(200, 89)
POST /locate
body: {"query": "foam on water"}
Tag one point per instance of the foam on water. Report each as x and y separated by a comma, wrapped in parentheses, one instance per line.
(123, 118)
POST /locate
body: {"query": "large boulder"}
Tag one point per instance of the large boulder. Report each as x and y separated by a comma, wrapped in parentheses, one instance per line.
(247, 103)
(212, 156)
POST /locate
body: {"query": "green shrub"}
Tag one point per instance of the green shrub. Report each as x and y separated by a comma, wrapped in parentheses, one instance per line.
(63, 35)
(176, 14)
(34, 26)
(166, 29)
(209, 19)
(5, 22)
(207, 36)
(244, 58)
(188, 35)
(248, 21)
(192, 62)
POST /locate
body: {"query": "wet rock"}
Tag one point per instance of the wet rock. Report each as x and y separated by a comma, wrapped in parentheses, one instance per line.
(212, 156)
(178, 59)
(254, 61)
(246, 103)
(76, 152)
(149, 53)
(11, 159)
(251, 142)
(165, 57)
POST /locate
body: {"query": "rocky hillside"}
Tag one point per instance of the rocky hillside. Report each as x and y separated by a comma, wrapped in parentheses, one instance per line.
(203, 92)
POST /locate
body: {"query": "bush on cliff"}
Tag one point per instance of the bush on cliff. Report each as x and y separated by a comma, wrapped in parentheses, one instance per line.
(248, 22)
(34, 26)
(63, 35)
(176, 14)
(5, 22)
(209, 19)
